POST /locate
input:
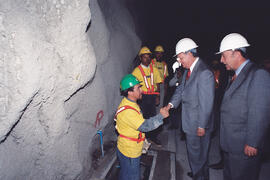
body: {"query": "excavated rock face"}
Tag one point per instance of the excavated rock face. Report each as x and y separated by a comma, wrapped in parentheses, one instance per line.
(59, 73)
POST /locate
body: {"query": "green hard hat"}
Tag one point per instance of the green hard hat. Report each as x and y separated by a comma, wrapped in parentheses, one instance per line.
(128, 81)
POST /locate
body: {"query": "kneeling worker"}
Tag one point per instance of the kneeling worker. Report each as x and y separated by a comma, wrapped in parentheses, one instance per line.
(130, 125)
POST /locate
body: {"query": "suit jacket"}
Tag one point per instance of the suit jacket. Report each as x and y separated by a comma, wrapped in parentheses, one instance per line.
(197, 97)
(245, 110)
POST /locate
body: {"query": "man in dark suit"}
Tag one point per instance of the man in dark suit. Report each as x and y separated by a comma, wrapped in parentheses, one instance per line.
(196, 94)
(244, 111)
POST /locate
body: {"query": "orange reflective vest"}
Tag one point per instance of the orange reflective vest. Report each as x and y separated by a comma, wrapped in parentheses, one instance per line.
(150, 90)
(165, 69)
(139, 139)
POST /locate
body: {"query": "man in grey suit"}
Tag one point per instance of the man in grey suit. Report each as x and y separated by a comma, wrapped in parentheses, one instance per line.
(196, 94)
(244, 111)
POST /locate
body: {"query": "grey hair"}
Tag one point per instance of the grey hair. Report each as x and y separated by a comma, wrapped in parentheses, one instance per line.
(241, 49)
(193, 52)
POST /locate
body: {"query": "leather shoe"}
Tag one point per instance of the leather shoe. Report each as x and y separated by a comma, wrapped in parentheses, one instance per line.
(219, 165)
(190, 174)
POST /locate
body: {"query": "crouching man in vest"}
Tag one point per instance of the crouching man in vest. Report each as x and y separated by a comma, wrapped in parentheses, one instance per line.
(131, 126)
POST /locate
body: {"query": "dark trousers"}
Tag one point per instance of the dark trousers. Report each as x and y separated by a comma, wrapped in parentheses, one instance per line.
(198, 149)
(129, 167)
(216, 131)
(241, 167)
(148, 107)
(175, 119)
(266, 149)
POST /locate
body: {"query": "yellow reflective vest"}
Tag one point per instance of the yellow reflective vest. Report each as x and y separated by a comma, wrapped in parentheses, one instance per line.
(127, 123)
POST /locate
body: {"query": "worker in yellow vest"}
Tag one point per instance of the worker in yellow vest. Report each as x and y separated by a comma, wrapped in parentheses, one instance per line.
(131, 126)
(161, 65)
(159, 62)
(150, 78)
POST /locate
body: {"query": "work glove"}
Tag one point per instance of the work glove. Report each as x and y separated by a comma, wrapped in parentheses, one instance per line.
(175, 66)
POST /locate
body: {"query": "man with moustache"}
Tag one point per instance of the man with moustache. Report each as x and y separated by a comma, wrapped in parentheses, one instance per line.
(131, 126)
(244, 112)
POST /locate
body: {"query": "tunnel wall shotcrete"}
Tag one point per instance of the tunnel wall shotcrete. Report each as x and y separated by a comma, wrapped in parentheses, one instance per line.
(60, 67)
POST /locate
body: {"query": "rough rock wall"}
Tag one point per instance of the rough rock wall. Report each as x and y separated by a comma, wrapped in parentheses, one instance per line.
(115, 43)
(52, 87)
(115, 53)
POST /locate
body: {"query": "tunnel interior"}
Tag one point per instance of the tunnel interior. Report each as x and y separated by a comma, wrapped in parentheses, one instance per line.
(207, 22)
(62, 61)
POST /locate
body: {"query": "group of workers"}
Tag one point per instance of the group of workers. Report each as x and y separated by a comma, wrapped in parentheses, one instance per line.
(243, 112)
(152, 73)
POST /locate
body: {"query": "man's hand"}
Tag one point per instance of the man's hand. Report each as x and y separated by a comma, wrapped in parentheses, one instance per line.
(200, 132)
(164, 112)
(168, 107)
(250, 151)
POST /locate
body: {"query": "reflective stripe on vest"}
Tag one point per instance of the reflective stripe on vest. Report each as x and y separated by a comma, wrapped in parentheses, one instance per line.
(139, 139)
(149, 90)
(165, 69)
(153, 62)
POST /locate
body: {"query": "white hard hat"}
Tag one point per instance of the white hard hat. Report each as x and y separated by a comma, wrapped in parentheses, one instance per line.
(231, 42)
(184, 45)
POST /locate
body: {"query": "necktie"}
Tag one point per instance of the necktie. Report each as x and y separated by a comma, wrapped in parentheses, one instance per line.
(231, 81)
(188, 74)
(233, 78)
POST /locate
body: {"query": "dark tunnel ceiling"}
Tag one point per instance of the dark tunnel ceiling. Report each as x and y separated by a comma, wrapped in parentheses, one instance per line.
(205, 21)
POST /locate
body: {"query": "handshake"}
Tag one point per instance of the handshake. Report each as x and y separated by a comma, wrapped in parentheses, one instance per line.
(165, 111)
